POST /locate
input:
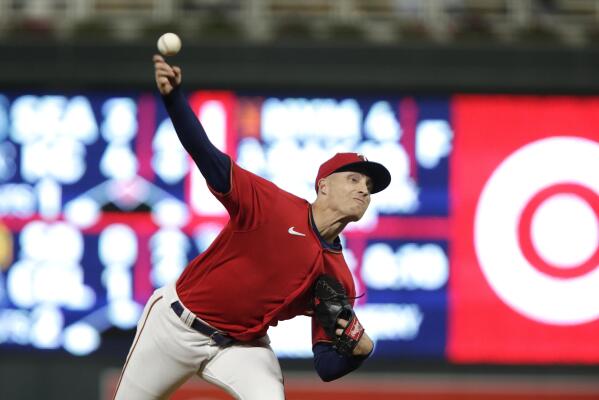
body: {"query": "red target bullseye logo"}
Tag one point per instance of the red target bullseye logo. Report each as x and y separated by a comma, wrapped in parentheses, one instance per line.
(536, 230)
(586, 197)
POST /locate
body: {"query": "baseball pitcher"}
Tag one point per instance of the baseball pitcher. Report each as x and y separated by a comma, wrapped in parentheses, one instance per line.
(278, 257)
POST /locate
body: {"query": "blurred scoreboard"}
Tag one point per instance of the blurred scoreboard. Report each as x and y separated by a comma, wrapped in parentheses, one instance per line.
(100, 205)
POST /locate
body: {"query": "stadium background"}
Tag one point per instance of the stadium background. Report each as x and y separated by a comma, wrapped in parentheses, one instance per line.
(428, 61)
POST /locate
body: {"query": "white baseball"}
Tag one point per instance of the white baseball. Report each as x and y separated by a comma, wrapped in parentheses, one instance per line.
(169, 44)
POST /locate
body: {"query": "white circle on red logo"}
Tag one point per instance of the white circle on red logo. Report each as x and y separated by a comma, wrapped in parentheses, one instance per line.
(536, 230)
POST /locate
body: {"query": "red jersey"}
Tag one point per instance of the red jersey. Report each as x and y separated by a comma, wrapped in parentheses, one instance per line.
(261, 267)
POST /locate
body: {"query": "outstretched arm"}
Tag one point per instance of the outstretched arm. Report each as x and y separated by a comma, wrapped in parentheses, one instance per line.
(214, 165)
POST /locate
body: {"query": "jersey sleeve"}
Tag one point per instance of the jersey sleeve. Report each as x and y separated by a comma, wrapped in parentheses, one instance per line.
(214, 165)
(248, 199)
(331, 365)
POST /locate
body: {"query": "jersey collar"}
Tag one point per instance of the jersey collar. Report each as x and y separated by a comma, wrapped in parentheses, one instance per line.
(335, 246)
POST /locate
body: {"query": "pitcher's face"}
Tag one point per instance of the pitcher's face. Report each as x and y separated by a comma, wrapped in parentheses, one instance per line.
(349, 193)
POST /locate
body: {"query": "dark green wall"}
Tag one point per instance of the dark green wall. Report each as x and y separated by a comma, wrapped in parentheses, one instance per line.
(430, 68)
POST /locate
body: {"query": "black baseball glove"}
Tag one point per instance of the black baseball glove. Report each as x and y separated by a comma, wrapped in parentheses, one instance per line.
(330, 304)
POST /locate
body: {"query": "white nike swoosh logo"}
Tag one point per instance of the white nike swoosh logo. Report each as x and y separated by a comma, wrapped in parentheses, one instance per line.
(292, 231)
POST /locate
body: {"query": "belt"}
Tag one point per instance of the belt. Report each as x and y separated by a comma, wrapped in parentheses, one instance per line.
(220, 338)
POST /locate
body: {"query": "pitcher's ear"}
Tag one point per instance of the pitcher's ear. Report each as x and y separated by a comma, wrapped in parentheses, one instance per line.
(323, 186)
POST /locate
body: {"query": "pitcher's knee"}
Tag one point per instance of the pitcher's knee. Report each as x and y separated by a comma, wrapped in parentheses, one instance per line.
(263, 391)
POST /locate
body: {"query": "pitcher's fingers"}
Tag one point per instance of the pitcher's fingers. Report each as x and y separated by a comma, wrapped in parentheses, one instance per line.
(162, 66)
(157, 58)
(165, 73)
(177, 71)
(163, 81)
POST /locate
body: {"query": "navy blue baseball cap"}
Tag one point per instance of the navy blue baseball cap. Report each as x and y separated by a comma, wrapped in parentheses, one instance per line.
(340, 162)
